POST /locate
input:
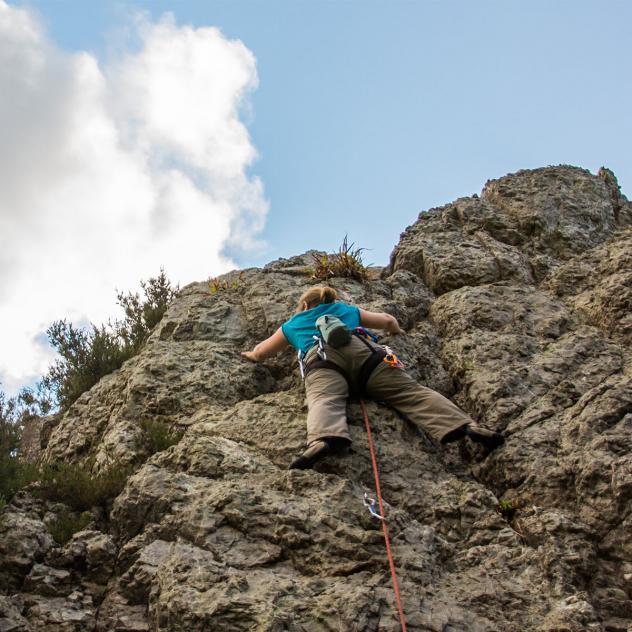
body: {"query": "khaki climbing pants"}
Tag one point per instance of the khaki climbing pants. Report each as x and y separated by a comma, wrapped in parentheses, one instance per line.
(327, 392)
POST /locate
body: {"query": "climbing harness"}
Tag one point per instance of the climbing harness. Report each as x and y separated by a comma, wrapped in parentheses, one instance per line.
(370, 503)
(378, 355)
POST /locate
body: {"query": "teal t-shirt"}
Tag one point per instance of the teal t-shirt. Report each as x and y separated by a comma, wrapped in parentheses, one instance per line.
(301, 328)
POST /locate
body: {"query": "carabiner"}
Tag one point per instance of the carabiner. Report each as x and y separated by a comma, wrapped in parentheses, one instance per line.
(370, 503)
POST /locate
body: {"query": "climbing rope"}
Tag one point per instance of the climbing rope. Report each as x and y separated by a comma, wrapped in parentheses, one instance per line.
(369, 502)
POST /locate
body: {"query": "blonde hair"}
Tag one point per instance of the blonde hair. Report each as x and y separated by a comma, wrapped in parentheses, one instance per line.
(316, 296)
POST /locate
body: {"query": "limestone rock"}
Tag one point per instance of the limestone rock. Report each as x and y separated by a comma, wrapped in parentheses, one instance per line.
(24, 540)
(516, 304)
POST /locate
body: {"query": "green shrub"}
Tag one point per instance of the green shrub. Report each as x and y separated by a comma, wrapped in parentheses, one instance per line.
(76, 486)
(86, 356)
(89, 354)
(14, 473)
(157, 436)
(69, 483)
(67, 523)
(142, 314)
(347, 262)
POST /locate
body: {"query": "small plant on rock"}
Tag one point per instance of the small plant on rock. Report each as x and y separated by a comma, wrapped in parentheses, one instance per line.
(67, 523)
(346, 263)
(508, 509)
(157, 436)
(215, 284)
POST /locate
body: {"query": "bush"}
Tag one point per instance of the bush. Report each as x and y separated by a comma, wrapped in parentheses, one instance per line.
(71, 484)
(89, 355)
(75, 486)
(157, 436)
(347, 262)
(14, 474)
(67, 523)
(143, 314)
(86, 356)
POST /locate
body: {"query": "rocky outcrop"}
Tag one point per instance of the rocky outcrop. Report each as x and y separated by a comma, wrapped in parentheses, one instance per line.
(516, 304)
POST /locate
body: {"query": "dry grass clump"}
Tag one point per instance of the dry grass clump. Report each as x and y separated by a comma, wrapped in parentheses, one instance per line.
(216, 284)
(346, 263)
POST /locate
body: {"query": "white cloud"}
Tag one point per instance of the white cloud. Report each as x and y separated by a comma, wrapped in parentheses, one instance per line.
(109, 172)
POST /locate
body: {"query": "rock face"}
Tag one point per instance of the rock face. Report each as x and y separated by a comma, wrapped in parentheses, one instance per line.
(516, 304)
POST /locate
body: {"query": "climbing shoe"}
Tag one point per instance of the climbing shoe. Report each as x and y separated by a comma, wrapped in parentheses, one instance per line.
(318, 450)
(485, 437)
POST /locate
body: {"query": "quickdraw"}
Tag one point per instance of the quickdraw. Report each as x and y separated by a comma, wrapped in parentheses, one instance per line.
(361, 331)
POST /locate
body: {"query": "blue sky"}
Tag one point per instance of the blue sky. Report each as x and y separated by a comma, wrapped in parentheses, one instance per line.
(369, 112)
(129, 138)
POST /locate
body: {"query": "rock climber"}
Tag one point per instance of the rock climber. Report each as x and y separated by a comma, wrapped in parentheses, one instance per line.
(345, 367)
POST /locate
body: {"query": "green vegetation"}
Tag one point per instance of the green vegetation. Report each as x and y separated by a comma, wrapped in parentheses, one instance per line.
(14, 473)
(346, 262)
(67, 523)
(508, 509)
(88, 355)
(215, 284)
(68, 483)
(143, 313)
(72, 484)
(76, 486)
(157, 436)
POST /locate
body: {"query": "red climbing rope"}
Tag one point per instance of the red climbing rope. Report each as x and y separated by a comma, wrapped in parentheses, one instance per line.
(391, 563)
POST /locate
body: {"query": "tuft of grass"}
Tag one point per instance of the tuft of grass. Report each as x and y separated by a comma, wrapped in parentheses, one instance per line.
(76, 486)
(67, 523)
(346, 263)
(307, 271)
(215, 284)
(157, 436)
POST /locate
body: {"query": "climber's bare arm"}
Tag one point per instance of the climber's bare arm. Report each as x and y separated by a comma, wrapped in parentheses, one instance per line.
(380, 320)
(268, 347)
